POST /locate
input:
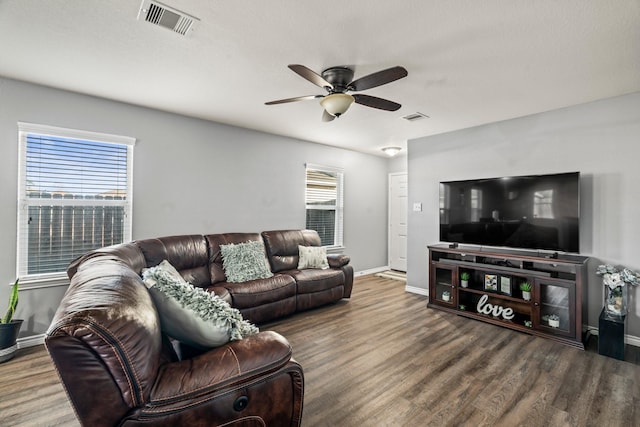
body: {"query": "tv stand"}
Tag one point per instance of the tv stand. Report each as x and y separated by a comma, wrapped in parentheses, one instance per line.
(493, 292)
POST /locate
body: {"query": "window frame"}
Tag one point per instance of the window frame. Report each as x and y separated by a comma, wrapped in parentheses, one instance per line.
(338, 242)
(39, 280)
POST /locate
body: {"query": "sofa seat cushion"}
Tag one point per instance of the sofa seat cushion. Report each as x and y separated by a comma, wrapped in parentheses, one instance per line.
(221, 367)
(260, 291)
(310, 281)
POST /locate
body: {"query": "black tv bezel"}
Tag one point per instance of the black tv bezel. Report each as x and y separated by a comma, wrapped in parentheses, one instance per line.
(506, 247)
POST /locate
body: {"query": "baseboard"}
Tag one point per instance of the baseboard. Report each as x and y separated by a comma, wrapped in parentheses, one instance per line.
(371, 271)
(415, 290)
(31, 341)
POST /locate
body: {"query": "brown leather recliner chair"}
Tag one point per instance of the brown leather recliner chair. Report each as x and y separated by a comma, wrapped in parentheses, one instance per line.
(120, 370)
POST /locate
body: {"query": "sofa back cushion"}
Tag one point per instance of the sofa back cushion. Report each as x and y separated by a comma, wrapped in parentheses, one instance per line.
(188, 254)
(282, 247)
(216, 268)
(127, 253)
(106, 336)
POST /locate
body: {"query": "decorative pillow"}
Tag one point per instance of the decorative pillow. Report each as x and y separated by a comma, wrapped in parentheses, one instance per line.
(245, 261)
(190, 314)
(312, 257)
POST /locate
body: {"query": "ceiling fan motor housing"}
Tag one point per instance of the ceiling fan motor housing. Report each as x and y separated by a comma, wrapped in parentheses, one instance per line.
(339, 77)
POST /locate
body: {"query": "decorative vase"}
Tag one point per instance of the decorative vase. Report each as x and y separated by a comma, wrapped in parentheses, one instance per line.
(615, 300)
(8, 337)
(464, 283)
(446, 296)
(554, 323)
(526, 295)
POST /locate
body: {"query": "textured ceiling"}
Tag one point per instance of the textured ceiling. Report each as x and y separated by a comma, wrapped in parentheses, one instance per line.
(469, 62)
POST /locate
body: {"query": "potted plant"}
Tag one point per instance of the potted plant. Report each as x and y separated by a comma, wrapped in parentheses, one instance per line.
(554, 321)
(446, 296)
(464, 279)
(9, 327)
(525, 287)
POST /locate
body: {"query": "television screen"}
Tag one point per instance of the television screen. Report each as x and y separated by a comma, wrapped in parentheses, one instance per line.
(531, 212)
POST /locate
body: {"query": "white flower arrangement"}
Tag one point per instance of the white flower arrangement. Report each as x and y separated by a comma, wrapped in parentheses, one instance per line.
(614, 277)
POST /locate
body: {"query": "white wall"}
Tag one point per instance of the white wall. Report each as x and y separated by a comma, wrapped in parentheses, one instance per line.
(190, 176)
(601, 140)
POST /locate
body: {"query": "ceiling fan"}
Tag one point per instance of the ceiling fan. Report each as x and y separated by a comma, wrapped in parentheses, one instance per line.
(337, 81)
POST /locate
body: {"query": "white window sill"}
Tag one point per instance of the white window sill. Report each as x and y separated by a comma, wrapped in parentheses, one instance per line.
(43, 282)
(335, 249)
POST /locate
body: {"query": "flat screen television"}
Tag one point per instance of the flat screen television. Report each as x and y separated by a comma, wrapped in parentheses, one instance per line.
(529, 212)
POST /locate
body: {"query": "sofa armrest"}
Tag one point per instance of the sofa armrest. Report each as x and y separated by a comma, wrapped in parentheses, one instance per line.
(338, 260)
(233, 363)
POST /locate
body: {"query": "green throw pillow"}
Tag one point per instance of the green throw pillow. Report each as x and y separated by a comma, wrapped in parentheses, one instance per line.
(312, 257)
(245, 261)
(191, 314)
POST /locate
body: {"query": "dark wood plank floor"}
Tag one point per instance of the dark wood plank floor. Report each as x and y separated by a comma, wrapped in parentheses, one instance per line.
(384, 359)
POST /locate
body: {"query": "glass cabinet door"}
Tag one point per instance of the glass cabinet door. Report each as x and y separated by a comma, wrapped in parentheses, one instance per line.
(555, 303)
(444, 285)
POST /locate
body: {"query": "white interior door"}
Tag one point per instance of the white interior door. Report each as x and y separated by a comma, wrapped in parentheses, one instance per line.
(398, 200)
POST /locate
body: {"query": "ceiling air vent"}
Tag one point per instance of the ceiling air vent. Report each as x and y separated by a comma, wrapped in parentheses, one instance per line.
(415, 116)
(167, 17)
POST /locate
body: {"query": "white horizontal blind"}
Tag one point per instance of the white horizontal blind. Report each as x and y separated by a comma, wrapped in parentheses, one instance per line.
(324, 203)
(74, 196)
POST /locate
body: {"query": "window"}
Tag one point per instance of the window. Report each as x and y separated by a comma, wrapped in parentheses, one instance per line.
(476, 204)
(543, 204)
(445, 204)
(74, 195)
(324, 203)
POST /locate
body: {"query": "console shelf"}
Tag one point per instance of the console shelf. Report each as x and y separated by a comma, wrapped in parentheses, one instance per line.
(493, 294)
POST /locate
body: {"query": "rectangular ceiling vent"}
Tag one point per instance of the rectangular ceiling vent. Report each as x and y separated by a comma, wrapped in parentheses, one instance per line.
(415, 116)
(167, 17)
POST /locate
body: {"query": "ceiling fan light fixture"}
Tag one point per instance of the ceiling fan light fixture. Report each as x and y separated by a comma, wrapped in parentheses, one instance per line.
(391, 151)
(337, 104)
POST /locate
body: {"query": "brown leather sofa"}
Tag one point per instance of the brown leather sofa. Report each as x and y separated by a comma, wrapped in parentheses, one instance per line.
(118, 368)
(289, 290)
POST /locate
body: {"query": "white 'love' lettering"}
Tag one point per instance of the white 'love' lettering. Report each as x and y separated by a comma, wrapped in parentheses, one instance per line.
(495, 310)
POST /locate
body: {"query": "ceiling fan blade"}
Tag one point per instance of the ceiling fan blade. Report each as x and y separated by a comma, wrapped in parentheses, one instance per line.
(378, 79)
(298, 98)
(310, 75)
(326, 117)
(375, 102)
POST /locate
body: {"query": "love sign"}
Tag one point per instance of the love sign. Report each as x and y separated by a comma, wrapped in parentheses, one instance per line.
(493, 309)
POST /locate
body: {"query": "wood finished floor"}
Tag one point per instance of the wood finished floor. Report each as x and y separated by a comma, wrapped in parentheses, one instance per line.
(384, 359)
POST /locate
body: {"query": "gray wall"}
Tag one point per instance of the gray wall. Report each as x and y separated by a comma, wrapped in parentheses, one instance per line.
(190, 176)
(398, 163)
(600, 139)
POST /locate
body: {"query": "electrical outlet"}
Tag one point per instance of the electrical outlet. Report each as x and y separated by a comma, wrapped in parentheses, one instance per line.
(417, 207)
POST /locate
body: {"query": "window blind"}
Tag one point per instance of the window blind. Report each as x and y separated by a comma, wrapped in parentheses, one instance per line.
(324, 203)
(75, 195)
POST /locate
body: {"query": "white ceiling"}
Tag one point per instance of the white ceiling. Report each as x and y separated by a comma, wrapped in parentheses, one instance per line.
(469, 62)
